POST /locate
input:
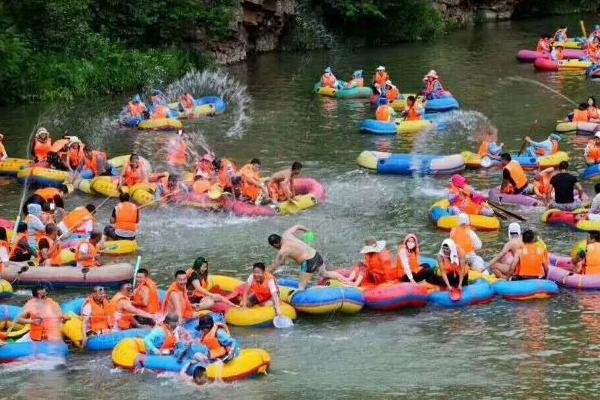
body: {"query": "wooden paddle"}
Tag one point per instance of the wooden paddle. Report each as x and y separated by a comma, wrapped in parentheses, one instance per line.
(499, 214)
(505, 211)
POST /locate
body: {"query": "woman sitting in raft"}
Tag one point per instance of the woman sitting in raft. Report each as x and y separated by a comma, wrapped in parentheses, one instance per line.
(408, 262)
(378, 262)
(592, 110)
(592, 150)
(391, 91)
(432, 87)
(514, 179)
(452, 265)
(464, 199)
(252, 187)
(133, 172)
(543, 44)
(379, 79)
(501, 264)
(197, 286)
(531, 261)
(357, 80)
(261, 289)
(561, 34)
(412, 111)
(543, 148)
(587, 262)
(41, 145)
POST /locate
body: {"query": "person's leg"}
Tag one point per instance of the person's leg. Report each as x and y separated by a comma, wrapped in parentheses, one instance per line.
(304, 279)
(501, 270)
(476, 263)
(206, 303)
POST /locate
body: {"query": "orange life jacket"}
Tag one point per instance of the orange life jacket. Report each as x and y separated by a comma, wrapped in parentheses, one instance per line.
(192, 291)
(20, 243)
(126, 319)
(276, 191)
(188, 310)
(380, 266)
(54, 254)
(160, 111)
(593, 113)
(76, 217)
(93, 164)
(92, 253)
(452, 268)
(580, 115)
(132, 176)
(412, 113)
(101, 316)
(261, 290)
(383, 113)
(249, 176)
(136, 110)
(592, 259)
(127, 216)
(462, 237)
(48, 193)
(201, 186)
(188, 101)
(328, 80)
(381, 77)
(210, 340)
(169, 343)
(153, 296)
(517, 174)
(227, 169)
(49, 327)
(484, 148)
(413, 263)
(75, 156)
(204, 169)
(392, 94)
(593, 153)
(544, 186)
(177, 153)
(531, 261)
(431, 86)
(542, 46)
(41, 150)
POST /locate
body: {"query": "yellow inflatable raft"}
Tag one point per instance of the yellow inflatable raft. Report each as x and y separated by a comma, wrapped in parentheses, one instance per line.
(13, 330)
(443, 220)
(11, 166)
(160, 124)
(108, 186)
(43, 176)
(6, 289)
(569, 44)
(473, 160)
(257, 316)
(400, 103)
(120, 247)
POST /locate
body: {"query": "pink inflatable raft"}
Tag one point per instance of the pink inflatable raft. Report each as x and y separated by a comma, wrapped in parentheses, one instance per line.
(309, 191)
(387, 297)
(517, 199)
(572, 280)
(531, 55)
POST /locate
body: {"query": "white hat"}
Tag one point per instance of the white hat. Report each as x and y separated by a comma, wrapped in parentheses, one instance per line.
(388, 83)
(463, 219)
(514, 228)
(381, 68)
(376, 247)
(432, 74)
(597, 134)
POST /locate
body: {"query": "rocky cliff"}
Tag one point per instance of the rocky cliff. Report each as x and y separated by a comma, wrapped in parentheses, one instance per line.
(468, 11)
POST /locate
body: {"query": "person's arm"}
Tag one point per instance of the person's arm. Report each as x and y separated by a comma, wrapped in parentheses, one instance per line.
(406, 264)
(444, 276)
(502, 253)
(545, 265)
(86, 311)
(464, 270)
(475, 239)
(580, 190)
(136, 311)
(244, 302)
(122, 176)
(177, 305)
(279, 260)
(513, 265)
(275, 297)
(295, 229)
(228, 342)
(156, 335)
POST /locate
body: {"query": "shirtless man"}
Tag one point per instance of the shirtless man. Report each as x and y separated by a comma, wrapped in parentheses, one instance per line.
(310, 261)
(501, 264)
(281, 184)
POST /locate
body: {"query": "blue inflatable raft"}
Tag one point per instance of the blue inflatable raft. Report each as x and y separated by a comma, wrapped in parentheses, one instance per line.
(409, 164)
(443, 104)
(477, 293)
(528, 289)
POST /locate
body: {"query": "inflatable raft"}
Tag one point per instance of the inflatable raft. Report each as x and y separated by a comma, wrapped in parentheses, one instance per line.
(408, 164)
(572, 44)
(11, 166)
(352, 93)
(203, 106)
(443, 104)
(321, 299)
(517, 199)
(32, 351)
(41, 176)
(160, 124)
(528, 289)
(129, 354)
(478, 293)
(375, 127)
(574, 219)
(446, 221)
(474, 160)
(591, 173)
(6, 290)
(593, 72)
(392, 296)
(572, 280)
(111, 275)
(547, 65)
(580, 128)
(532, 55)
(8, 325)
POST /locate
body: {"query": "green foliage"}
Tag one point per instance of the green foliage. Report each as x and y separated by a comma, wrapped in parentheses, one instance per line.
(53, 49)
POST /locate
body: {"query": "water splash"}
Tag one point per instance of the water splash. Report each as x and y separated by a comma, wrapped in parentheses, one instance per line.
(540, 84)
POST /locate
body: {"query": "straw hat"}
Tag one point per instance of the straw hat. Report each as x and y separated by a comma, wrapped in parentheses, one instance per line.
(381, 68)
(373, 246)
(432, 74)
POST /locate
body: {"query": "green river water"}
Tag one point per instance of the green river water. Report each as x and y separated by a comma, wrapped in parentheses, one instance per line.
(544, 349)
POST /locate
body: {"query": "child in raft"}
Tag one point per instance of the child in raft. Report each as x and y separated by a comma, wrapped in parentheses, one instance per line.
(489, 147)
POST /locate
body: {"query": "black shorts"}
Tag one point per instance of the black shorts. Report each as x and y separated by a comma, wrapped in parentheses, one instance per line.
(311, 266)
(252, 300)
(524, 278)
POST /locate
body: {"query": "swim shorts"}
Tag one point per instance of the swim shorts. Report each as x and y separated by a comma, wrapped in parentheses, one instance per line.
(311, 266)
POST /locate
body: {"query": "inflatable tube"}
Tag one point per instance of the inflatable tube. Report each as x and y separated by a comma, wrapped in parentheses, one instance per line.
(478, 293)
(571, 44)
(120, 247)
(593, 72)
(108, 186)
(375, 127)
(107, 341)
(43, 177)
(257, 316)
(518, 199)
(574, 219)
(592, 173)
(8, 324)
(400, 103)
(392, 296)
(529, 289)
(443, 104)
(160, 124)
(580, 128)
(32, 351)
(352, 93)
(128, 354)
(408, 164)
(572, 280)
(444, 220)
(473, 160)
(111, 275)
(203, 106)
(531, 55)
(11, 166)
(542, 64)
(322, 299)
(6, 289)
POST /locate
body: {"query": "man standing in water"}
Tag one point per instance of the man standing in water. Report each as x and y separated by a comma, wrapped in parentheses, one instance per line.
(310, 261)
